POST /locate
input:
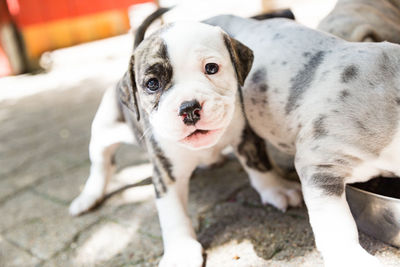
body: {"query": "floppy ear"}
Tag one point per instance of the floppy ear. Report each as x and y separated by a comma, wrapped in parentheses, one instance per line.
(241, 57)
(128, 89)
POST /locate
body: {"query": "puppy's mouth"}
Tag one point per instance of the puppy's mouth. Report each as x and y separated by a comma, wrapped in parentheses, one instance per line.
(198, 132)
(201, 138)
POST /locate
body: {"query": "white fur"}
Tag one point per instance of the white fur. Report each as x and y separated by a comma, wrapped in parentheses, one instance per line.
(387, 163)
(335, 231)
(107, 134)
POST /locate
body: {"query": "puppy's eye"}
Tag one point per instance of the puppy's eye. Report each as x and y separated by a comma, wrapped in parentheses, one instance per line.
(211, 68)
(153, 84)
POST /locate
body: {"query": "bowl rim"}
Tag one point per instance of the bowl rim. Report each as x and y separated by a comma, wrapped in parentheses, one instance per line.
(397, 200)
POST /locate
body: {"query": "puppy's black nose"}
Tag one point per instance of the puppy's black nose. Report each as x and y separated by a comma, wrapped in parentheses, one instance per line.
(190, 112)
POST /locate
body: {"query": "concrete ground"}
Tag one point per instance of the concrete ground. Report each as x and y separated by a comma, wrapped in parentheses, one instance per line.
(44, 162)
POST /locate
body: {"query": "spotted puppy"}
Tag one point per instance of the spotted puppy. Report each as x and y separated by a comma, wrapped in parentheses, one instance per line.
(181, 99)
(364, 20)
(334, 106)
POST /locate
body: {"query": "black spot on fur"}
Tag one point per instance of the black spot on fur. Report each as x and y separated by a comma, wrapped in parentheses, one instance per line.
(263, 87)
(259, 76)
(349, 73)
(397, 100)
(344, 94)
(361, 126)
(259, 79)
(253, 149)
(303, 80)
(162, 168)
(253, 101)
(332, 185)
(319, 127)
(159, 186)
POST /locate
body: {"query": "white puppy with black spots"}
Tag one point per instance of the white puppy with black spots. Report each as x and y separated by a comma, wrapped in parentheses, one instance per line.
(334, 105)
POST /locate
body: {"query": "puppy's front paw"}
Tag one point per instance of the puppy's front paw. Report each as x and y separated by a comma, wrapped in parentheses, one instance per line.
(186, 253)
(351, 258)
(283, 195)
(83, 203)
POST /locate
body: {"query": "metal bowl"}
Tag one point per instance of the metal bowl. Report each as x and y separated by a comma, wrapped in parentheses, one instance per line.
(376, 208)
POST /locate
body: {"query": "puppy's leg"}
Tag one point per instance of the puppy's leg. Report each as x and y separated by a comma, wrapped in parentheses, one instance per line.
(334, 228)
(180, 245)
(171, 181)
(274, 190)
(107, 134)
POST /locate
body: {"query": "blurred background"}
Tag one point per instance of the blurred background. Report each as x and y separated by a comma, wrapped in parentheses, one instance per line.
(29, 28)
(56, 39)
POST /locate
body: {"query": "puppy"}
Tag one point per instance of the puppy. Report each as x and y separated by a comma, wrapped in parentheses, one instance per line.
(181, 99)
(335, 107)
(364, 20)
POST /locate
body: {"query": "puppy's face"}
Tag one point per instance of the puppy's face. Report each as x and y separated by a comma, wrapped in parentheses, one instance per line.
(187, 78)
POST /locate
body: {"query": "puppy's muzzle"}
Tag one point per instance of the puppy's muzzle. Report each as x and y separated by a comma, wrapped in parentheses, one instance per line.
(190, 112)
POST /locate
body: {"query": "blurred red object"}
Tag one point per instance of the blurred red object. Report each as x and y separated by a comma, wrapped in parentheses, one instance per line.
(40, 11)
(31, 27)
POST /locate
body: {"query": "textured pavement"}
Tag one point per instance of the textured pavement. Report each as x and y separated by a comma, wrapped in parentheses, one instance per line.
(44, 163)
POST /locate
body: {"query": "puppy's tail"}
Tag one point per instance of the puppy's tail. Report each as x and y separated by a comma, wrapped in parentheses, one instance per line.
(139, 35)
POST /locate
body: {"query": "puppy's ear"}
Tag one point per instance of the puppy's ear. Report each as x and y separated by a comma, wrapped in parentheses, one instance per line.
(128, 89)
(241, 56)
